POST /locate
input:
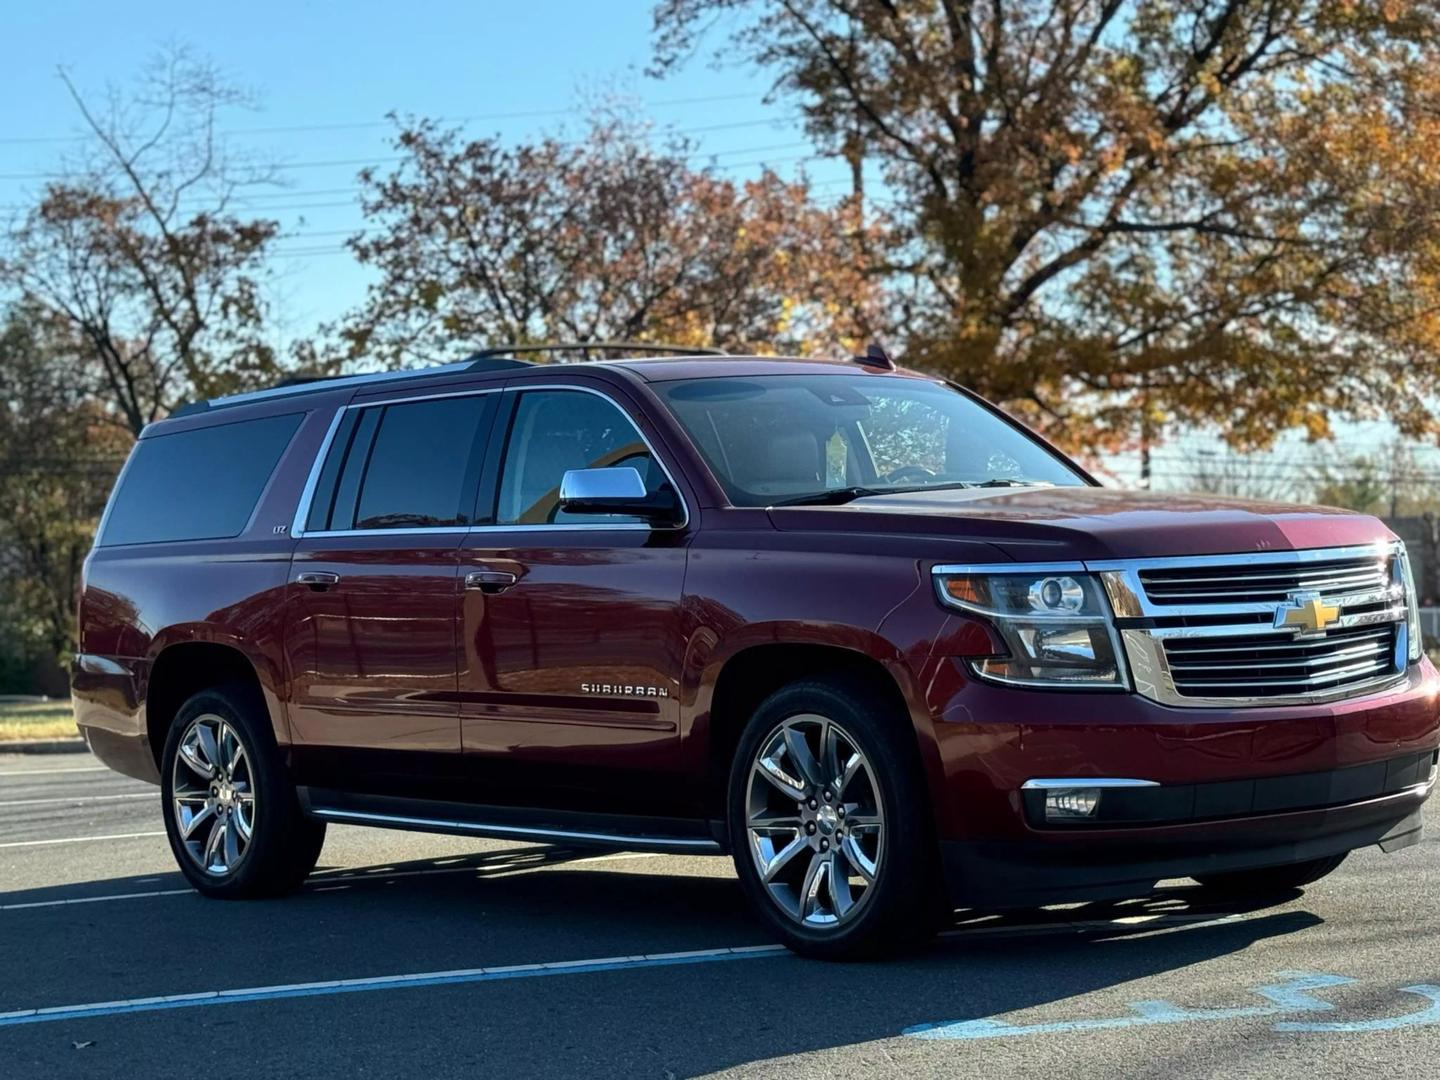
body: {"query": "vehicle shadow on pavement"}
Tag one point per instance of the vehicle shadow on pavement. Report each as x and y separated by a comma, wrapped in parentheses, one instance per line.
(540, 904)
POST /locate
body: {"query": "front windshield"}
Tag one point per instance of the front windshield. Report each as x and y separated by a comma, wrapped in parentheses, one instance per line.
(794, 438)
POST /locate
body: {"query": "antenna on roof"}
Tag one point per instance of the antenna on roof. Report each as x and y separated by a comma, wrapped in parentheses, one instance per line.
(876, 356)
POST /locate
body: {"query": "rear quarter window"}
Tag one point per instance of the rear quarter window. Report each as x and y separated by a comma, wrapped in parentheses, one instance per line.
(200, 484)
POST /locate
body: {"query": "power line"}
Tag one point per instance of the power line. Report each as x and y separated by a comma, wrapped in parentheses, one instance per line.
(357, 125)
(391, 160)
(283, 193)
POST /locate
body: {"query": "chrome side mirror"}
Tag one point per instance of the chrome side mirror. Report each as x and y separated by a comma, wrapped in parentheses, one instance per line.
(617, 490)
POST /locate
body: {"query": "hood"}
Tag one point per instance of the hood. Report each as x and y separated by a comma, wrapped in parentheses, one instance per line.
(1044, 524)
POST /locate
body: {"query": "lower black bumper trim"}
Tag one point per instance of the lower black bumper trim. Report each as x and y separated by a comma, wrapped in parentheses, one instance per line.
(1054, 869)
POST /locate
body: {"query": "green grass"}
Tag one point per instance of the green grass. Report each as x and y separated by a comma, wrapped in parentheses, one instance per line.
(44, 720)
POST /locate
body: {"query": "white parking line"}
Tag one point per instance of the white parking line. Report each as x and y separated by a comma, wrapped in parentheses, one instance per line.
(96, 899)
(208, 998)
(79, 839)
(79, 800)
(49, 772)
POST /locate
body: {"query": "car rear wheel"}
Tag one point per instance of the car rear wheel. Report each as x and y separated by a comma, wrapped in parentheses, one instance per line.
(235, 825)
(830, 830)
(1270, 879)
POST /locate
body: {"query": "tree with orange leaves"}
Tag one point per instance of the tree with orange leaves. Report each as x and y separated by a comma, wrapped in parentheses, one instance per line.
(607, 238)
(1127, 215)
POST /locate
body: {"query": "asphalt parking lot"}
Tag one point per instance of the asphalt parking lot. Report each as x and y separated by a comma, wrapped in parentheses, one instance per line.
(433, 957)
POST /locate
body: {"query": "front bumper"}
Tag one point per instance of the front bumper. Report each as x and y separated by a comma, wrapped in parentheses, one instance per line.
(1111, 864)
(1237, 789)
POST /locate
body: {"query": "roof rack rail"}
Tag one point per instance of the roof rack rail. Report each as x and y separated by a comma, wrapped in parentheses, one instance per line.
(485, 362)
(294, 386)
(498, 351)
(497, 358)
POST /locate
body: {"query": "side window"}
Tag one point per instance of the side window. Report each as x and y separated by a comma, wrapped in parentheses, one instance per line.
(200, 484)
(402, 466)
(554, 431)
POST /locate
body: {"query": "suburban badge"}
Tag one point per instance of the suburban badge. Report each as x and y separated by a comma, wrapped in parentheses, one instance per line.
(623, 690)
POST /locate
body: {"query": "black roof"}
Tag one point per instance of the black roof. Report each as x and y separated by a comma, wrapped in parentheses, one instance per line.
(497, 358)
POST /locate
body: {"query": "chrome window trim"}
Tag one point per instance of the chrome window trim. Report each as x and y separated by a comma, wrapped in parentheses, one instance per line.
(307, 494)
(428, 530)
(1106, 782)
(466, 530)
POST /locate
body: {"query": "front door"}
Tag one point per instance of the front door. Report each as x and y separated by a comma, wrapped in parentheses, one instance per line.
(371, 636)
(570, 625)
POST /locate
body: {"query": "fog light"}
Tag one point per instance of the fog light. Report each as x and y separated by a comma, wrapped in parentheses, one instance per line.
(1063, 804)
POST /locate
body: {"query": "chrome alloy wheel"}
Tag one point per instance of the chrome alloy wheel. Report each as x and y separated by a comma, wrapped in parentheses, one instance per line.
(213, 794)
(815, 825)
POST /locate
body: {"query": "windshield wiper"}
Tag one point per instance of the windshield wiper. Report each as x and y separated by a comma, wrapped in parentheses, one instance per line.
(837, 496)
(832, 497)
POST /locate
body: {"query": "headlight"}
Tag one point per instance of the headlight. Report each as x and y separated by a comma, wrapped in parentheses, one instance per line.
(1414, 636)
(1056, 624)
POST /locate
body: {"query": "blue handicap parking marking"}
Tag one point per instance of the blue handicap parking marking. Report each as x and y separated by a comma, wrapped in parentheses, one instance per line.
(1291, 996)
(1421, 1018)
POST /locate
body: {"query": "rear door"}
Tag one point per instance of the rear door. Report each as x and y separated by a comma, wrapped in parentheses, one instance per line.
(371, 637)
(571, 631)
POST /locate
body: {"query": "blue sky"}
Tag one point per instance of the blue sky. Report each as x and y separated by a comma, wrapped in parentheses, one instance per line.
(349, 64)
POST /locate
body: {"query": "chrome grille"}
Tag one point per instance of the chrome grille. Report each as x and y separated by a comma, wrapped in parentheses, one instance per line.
(1232, 630)
(1259, 665)
(1261, 584)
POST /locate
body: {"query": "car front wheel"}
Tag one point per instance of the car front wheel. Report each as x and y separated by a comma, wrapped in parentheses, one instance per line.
(829, 825)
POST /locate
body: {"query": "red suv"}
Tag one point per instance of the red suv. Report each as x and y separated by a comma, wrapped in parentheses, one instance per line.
(849, 624)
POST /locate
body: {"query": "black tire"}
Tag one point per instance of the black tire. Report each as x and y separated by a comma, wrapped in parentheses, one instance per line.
(283, 844)
(1269, 880)
(905, 903)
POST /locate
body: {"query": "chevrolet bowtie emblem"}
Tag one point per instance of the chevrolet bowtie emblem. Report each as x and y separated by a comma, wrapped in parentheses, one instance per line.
(1306, 613)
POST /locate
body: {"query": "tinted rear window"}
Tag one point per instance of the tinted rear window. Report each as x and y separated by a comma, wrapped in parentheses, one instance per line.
(404, 465)
(201, 484)
(417, 469)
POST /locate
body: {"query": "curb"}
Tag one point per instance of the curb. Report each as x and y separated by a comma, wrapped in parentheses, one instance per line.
(45, 746)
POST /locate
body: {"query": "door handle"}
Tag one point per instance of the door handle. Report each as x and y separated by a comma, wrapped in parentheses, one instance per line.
(490, 581)
(319, 580)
